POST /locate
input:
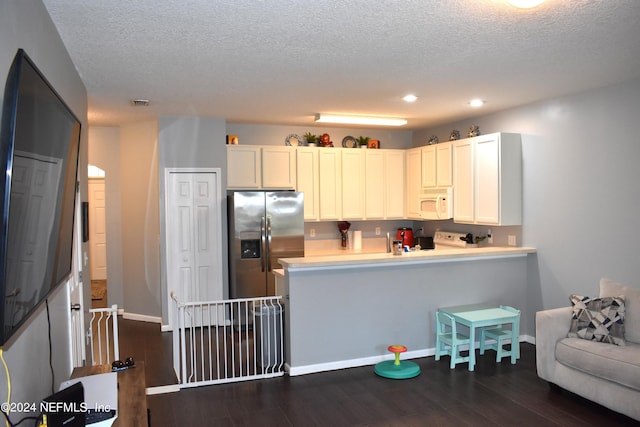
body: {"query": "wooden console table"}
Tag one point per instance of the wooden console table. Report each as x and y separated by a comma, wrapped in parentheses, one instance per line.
(132, 398)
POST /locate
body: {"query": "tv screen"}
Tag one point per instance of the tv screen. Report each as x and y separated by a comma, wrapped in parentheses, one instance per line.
(39, 143)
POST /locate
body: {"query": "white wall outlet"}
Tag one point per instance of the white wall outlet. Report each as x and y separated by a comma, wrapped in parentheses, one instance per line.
(512, 240)
(489, 236)
(312, 232)
(377, 231)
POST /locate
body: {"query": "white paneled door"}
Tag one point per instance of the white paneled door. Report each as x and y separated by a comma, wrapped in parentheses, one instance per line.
(97, 229)
(194, 237)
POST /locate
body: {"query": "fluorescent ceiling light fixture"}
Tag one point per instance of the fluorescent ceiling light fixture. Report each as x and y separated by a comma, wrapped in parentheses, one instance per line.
(525, 4)
(475, 103)
(410, 98)
(359, 120)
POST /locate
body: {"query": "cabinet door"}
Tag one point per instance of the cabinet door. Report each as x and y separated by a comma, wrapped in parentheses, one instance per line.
(330, 185)
(394, 184)
(413, 182)
(428, 174)
(463, 181)
(353, 183)
(307, 180)
(374, 181)
(243, 167)
(487, 179)
(444, 158)
(278, 168)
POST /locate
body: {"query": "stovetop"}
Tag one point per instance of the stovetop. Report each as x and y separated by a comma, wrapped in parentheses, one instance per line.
(449, 239)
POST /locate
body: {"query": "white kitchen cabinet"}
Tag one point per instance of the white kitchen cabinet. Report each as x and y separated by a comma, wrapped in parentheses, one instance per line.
(278, 168)
(428, 166)
(261, 167)
(353, 174)
(436, 165)
(375, 184)
(488, 180)
(394, 184)
(444, 162)
(463, 181)
(413, 182)
(307, 181)
(244, 167)
(330, 183)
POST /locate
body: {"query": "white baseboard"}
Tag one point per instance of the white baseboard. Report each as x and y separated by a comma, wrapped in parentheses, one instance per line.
(142, 317)
(372, 360)
(352, 363)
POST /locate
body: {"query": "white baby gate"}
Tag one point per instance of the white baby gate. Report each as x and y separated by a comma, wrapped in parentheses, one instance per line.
(226, 341)
(103, 335)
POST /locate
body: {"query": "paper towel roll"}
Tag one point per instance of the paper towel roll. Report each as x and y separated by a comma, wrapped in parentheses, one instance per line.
(357, 240)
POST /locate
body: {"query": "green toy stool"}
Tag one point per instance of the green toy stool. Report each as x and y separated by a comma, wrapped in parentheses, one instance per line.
(397, 369)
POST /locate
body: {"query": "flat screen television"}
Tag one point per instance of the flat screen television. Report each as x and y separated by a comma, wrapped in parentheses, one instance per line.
(39, 144)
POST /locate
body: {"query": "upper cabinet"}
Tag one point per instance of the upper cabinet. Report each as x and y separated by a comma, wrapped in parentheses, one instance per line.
(261, 167)
(342, 183)
(413, 182)
(307, 181)
(384, 184)
(353, 183)
(330, 183)
(487, 173)
(436, 161)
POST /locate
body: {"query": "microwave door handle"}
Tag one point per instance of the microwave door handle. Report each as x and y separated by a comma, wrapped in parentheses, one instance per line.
(263, 243)
(438, 206)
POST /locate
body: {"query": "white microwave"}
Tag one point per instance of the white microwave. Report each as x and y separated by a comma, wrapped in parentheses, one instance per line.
(436, 203)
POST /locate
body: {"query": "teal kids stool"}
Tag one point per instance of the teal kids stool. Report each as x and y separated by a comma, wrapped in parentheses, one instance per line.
(397, 369)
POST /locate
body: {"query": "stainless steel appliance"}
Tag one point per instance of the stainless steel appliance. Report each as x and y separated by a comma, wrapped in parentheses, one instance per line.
(263, 227)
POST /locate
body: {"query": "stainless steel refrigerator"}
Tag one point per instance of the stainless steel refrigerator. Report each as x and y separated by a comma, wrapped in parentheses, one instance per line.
(264, 226)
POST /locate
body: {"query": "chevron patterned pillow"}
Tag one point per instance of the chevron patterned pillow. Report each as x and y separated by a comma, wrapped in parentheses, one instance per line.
(598, 319)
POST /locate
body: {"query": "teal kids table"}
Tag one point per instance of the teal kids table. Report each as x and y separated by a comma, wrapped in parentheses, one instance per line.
(482, 315)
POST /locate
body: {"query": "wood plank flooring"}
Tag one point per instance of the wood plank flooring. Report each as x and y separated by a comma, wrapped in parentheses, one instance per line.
(496, 394)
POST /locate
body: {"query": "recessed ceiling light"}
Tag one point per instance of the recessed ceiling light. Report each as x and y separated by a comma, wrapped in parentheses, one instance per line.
(475, 103)
(359, 120)
(139, 102)
(410, 98)
(525, 4)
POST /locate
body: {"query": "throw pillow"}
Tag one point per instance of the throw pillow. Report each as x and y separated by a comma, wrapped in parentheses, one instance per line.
(598, 319)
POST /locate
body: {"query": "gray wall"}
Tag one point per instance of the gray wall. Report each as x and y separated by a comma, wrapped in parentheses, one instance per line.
(104, 152)
(580, 186)
(141, 229)
(190, 142)
(26, 24)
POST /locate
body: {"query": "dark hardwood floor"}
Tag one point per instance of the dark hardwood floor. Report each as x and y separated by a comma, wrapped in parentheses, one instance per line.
(496, 394)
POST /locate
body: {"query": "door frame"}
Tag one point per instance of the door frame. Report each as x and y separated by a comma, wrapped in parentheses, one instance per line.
(217, 226)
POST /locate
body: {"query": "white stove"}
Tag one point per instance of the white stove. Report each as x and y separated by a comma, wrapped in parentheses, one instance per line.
(450, 240)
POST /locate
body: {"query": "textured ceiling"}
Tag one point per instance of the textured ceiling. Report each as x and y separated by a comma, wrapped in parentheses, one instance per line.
(282, 61)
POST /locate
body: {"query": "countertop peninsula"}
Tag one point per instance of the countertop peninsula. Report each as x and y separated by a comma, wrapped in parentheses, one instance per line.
(354, 258)
(345, 310)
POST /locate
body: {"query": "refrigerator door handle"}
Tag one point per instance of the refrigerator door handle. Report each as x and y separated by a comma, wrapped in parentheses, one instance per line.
(263, 243)
(268, 243)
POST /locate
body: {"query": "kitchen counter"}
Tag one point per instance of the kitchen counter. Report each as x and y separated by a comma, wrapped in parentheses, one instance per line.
(353, 258)
(345, 310)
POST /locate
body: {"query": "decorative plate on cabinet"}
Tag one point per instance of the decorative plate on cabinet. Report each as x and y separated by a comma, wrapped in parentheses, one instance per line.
(349, 142)
(294, 140)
